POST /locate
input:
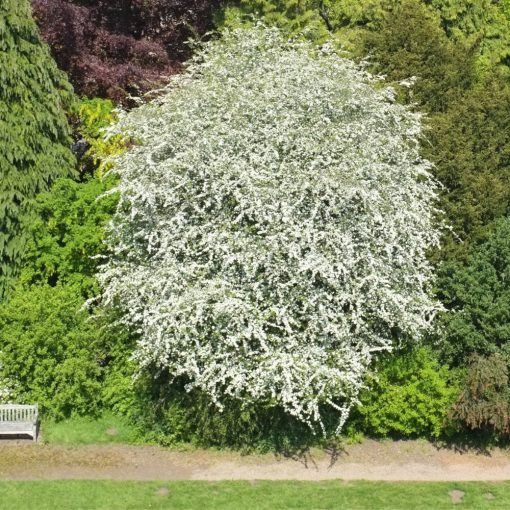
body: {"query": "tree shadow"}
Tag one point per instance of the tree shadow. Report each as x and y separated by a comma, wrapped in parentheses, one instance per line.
(481, 444)
(304, 454)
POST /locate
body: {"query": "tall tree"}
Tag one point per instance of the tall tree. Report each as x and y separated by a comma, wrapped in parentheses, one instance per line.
(273, 224)
(34, 133)
(409, 42)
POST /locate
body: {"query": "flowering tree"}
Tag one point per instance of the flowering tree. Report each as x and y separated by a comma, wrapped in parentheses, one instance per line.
(272, 227)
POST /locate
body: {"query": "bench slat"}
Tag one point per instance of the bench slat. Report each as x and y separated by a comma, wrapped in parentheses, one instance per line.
(12, 426)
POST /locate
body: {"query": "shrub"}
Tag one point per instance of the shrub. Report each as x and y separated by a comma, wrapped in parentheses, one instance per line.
(409, 396)
(113, 48)
(410, 42)
(470, 146)
(90, 118)
(272, 227)
(477, 294)
(48, 350)
(34, 134)
(68, 234)
(484, 403)
(167, 413)
(52, 351)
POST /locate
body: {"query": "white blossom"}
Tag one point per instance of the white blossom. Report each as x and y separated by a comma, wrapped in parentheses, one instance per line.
(6, 390)
(274, 218)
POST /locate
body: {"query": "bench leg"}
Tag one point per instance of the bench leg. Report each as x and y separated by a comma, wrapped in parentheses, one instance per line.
(34, 433)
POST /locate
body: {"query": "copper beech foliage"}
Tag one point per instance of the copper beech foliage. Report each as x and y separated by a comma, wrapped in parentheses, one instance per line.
(113, 48)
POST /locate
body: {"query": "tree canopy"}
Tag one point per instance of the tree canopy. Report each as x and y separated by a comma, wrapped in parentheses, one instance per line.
(114, 48)
(273, 224)
(34, 134)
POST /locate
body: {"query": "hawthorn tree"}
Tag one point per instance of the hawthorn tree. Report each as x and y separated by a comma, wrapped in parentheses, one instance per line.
(271, 232)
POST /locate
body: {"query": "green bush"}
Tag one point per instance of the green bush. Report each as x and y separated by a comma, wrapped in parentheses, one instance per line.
(52, 350)
(470, 146)
(49, 350)
(67, 235)
(477, 294)
(169, 415)
(410, 42)
(54, 354)
(409, 396)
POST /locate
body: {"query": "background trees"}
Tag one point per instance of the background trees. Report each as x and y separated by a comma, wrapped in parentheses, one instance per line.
(34, 134)
(52, 350)
(113, 48)
(457, 52)
(478, 293)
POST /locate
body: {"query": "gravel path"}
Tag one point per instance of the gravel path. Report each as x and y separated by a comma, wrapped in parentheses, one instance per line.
(387, 460)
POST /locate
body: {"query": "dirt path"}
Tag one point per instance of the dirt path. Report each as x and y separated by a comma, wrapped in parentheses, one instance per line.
(401, 460)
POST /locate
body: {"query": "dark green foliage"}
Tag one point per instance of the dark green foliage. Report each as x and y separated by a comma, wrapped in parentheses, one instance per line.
(468, 135)
(484, 404)
(478, 295)
(409, 42)
(409, 396)
(34, 134)
(170, 415)
(470, 145)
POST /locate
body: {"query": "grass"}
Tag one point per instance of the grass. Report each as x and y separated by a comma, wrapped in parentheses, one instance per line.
(189, 495)
(108, 428)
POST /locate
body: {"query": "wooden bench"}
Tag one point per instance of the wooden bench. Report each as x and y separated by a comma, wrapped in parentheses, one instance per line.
(19, 419)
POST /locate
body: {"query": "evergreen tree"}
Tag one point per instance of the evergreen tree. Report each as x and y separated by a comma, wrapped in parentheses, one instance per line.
(409, 42)
(477, 295)
(34, 134)
(470, 146)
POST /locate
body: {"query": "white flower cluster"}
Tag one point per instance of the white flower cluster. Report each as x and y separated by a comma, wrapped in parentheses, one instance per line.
(5, 389)
(273, 224)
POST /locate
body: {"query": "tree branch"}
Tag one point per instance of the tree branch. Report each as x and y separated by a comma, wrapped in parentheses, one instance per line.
(324, 15)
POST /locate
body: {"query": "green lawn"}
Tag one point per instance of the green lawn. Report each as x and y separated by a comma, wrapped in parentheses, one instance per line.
(110, 495)
(107, 428)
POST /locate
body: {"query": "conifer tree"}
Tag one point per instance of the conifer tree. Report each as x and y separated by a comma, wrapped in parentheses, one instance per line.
(34, 134)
